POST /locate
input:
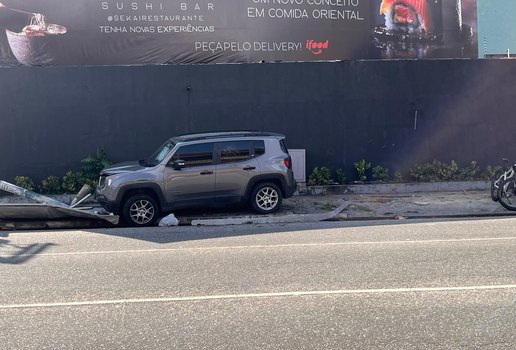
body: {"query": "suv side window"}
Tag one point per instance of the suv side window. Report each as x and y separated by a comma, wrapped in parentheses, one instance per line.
(283, 146)
(235, 151)
(238, 151)
(195, 155)
(259, 148)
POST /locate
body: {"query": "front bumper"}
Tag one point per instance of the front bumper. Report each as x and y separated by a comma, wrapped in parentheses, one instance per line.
(108, 205)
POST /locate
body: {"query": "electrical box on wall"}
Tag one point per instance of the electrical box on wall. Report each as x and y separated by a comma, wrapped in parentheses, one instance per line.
(298, 164)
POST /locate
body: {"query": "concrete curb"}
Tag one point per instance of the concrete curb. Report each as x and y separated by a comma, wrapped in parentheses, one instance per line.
(423, 216)
(272, 219)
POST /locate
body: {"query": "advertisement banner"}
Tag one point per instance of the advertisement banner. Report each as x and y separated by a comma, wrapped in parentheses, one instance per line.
(136, 32)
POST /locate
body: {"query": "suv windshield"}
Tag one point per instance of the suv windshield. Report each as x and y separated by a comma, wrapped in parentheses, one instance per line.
(160, 154)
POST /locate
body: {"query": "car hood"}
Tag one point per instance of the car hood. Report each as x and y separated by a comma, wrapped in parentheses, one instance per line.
(120, 168)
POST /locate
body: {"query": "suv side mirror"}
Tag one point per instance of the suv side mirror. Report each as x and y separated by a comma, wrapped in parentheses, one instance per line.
(178, 164)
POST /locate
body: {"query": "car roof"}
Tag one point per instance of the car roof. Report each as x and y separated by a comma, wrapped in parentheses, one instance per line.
(223, 135)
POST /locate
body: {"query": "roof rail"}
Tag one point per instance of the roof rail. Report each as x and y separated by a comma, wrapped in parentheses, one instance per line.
(222, 134)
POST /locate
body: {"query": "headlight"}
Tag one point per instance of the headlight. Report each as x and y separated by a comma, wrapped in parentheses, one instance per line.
(102, 182)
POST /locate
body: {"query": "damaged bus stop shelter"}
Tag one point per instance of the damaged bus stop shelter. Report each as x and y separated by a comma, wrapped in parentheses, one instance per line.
(39, 212)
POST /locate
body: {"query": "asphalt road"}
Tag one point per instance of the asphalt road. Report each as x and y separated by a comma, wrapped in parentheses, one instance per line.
(333, 285)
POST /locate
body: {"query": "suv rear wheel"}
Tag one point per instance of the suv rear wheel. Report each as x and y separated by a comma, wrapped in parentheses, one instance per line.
(140, 210)
(266, 198)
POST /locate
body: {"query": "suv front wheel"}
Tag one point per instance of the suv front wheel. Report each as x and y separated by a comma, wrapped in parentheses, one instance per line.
(140, 210)
(266, 198)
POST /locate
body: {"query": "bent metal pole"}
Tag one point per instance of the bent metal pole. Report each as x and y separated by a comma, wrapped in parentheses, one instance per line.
(23, 192)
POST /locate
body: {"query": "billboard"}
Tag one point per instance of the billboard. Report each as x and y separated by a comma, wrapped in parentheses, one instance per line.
(135, 32)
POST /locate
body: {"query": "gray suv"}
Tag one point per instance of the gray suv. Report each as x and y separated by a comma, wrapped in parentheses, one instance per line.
(199, 170)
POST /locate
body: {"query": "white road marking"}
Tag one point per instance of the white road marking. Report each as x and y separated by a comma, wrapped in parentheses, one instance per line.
(258, 295)
(269, 246)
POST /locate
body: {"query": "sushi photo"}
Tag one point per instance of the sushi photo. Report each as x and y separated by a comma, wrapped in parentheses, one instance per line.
(35, 43)
(410, 16)
(422, 28)
(410, 21)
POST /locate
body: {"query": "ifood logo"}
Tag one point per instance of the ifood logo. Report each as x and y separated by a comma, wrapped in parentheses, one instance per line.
(316, 47)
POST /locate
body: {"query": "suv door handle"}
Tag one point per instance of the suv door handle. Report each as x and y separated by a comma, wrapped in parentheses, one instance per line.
(206, 172)
(249, 168)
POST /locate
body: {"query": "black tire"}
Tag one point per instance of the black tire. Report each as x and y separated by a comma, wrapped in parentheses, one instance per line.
(494, 185)
(140, 210)
(266, 198)
(507, 194)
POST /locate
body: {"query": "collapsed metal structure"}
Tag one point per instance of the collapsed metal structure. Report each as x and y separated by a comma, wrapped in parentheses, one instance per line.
(42, 207)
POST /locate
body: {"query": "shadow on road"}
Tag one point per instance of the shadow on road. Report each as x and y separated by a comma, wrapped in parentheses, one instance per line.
(19, 254)
(164, 235)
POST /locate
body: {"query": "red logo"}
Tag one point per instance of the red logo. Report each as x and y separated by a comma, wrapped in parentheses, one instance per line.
(316, 47)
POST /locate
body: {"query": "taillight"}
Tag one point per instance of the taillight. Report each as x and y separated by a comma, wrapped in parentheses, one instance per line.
(288, 162)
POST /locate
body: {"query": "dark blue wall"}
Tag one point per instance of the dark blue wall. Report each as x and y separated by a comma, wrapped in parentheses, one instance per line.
(340, 112)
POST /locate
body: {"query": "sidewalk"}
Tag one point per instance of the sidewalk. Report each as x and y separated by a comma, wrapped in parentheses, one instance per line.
(381, 202)
(358, 202)
(474, 203)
